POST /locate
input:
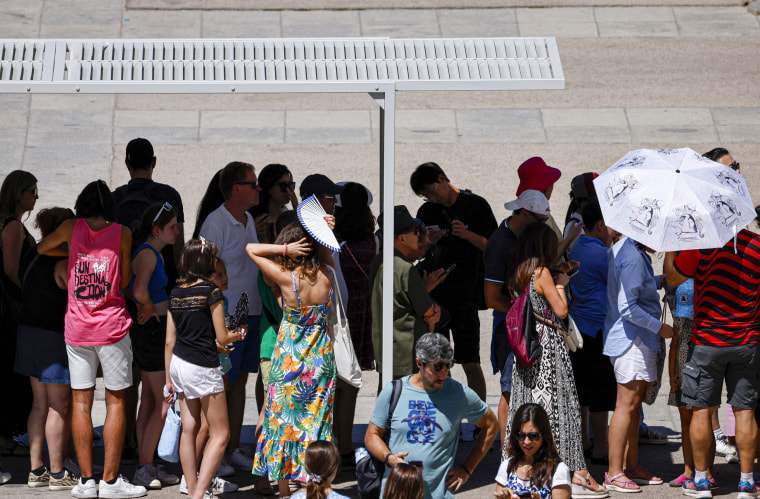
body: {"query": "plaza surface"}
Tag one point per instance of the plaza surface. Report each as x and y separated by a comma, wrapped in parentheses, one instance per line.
(638, 74)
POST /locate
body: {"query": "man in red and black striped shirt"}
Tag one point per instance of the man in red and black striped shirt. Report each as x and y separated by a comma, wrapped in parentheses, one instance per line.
(726, 343)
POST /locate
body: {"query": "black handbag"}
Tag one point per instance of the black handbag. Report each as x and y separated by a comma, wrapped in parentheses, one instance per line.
(369, 469)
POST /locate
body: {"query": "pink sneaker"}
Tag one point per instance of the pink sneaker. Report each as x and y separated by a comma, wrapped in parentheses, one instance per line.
(677, 482)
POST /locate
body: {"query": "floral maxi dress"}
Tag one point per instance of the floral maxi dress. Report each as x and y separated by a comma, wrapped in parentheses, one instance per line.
(549, 382)
(300, 393)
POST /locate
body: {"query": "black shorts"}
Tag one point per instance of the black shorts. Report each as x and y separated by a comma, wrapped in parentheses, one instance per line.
(465, 329)
(148, 342)
(594, 376)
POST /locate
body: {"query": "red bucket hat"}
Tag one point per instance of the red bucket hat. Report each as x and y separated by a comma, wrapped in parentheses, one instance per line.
(535, 174)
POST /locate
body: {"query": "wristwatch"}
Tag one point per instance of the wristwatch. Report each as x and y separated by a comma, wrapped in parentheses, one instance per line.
(386, 458)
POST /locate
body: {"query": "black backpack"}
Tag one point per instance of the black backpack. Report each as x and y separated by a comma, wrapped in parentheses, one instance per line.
(133, 205)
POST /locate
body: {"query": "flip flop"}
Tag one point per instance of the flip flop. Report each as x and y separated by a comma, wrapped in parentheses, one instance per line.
(644, 478)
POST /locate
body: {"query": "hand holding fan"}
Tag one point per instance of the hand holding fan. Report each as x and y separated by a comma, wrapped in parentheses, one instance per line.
(312, 218)
(240, 319)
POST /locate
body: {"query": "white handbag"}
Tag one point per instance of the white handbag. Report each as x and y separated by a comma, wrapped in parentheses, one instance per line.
(573, 338)
(346, 361)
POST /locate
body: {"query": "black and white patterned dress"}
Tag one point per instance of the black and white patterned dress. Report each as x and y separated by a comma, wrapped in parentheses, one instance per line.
(550, 383)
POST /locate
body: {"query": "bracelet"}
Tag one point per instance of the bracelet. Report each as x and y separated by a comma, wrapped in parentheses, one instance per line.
(285, 252)
(386, 458)
(465, 469)
(559, 286)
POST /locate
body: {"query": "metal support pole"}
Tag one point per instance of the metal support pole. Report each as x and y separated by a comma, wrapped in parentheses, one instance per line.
(387, 178)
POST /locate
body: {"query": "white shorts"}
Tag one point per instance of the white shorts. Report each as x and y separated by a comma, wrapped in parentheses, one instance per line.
(638, 363)
(116, 361)
(193, 380)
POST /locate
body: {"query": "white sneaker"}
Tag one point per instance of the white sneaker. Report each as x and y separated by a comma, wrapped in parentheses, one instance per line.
(183, 486)
(120, 489)
(219, 485)
(87, 490)
(241, 459)
(146, 476)
(722, 447)
(225, 468)
(165, 477)
(5, 477)
(732, 457)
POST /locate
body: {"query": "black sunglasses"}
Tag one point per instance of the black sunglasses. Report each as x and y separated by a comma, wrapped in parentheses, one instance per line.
(438, 366)
(253, 184)
(735, 165)
(533, 436)
(284, 186)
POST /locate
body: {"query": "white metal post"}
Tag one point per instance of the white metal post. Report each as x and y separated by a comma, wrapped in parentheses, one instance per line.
(387, 178)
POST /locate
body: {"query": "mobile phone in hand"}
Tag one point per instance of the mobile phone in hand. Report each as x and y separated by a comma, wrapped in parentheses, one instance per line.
(449, 269)
(524, 493)
(572, 272)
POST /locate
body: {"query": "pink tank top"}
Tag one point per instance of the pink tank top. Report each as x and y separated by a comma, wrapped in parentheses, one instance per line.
(96, 313)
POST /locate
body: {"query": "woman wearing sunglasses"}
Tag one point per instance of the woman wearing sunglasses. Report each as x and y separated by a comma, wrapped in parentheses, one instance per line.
(158, 228)
(533, 467)
(277, 190)
(548, 381)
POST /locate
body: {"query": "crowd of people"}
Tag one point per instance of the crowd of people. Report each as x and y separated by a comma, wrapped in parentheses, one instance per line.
(113, 289)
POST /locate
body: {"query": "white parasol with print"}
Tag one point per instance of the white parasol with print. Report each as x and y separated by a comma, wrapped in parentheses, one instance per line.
(674, 199)
(312, 218)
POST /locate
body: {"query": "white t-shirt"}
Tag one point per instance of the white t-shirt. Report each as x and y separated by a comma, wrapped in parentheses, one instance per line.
(231, 237)
(517, 484)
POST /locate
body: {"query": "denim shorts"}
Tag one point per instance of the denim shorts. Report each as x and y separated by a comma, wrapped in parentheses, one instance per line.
(707, 366)
(41, 354)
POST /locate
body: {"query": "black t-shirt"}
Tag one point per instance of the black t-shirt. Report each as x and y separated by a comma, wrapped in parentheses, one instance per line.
(44, 303)
(191, 311)
(148, 193)
(498, 252)
(464, 285)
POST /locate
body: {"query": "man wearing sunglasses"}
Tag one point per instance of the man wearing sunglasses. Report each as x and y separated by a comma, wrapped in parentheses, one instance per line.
(414, 312)
(424, 425)
(231, 228)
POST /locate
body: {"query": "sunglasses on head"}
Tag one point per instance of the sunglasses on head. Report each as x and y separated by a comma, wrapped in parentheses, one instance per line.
(533, 436)
(284, 186)
(165, 207)
(734, 166)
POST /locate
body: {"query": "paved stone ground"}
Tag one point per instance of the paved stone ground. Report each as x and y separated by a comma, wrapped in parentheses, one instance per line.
(667, 74)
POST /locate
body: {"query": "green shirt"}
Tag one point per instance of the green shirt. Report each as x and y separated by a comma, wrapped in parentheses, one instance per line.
(410, 302)
(271, 316)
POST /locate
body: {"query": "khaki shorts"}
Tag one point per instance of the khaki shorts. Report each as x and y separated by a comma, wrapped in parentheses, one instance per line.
(116, 361)
(264, 365)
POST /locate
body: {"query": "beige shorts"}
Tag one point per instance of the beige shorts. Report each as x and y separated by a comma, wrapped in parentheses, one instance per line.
(264, 365)
(115, 360)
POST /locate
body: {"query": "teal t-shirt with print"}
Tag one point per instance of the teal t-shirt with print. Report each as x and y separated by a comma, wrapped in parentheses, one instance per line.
(426, 425)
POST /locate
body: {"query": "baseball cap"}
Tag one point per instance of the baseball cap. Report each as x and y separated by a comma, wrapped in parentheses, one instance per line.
(319, 184)
(535, 174)
(140, 153)
(582, 186)
(403, 222)
(531, 200)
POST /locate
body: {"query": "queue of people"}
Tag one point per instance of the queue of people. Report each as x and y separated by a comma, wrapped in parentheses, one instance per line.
(113, 285)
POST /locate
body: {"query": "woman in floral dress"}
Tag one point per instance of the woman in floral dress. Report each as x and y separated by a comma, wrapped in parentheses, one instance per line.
(302, 374)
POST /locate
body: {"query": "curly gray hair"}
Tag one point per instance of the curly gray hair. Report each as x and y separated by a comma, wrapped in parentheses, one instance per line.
(434, 346)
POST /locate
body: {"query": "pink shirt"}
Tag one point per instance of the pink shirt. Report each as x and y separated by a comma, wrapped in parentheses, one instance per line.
(96, 313)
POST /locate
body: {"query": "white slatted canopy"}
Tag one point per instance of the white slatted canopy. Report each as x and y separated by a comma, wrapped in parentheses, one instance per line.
(378, 66)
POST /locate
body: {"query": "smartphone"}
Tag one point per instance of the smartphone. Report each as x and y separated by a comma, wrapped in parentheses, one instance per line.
(524, 493)
(433, 227)
(418, 464)
(572, 272)
(453, 266)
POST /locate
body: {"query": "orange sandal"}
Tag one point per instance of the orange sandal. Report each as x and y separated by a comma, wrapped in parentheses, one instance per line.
(620, 483)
